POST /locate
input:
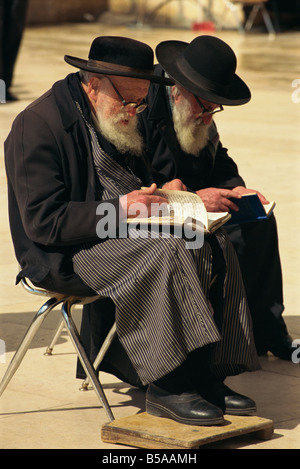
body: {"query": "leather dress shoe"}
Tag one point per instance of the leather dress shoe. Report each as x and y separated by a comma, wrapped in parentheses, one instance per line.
(186, 408)
(283, 349)
(230, 402)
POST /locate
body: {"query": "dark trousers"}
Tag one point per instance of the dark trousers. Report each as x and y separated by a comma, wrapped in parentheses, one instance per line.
(256, 245)
(12, 23)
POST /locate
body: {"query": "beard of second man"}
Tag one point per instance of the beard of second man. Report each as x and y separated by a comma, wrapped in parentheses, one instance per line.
(192, 134)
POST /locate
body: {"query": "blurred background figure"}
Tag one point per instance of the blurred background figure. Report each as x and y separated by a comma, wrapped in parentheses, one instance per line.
(12, 23)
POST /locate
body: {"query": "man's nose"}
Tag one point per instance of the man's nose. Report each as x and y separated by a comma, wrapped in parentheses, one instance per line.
(131, 111)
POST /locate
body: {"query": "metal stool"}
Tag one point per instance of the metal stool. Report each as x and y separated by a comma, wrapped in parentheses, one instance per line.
(257, 6)
(105, 346)
(66, 302)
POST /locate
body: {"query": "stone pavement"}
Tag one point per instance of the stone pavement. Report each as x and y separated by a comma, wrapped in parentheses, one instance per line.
(42, 406)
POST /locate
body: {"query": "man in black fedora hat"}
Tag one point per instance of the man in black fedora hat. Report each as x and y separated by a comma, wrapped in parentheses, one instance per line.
(74, 161)
(183, 142)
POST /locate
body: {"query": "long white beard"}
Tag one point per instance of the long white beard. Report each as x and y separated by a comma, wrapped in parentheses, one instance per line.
(192, 134)
(124, 138)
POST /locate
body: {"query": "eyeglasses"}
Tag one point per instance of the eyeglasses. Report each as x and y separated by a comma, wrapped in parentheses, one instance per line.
(207, 111)
(138, 107)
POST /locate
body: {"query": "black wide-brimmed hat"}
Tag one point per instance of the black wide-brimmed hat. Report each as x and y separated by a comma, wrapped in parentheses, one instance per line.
(205, 67)
(120, 56)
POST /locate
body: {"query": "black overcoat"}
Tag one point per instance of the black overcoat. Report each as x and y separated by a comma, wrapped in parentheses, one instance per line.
(51, 190)
(214, 168)
(256, 244)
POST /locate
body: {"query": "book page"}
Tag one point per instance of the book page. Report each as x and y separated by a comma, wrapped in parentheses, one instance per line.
(269, 208)
(182, 205)
(217, 219)
(184, 209)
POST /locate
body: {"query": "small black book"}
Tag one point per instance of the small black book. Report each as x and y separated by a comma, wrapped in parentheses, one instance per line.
(250, 209)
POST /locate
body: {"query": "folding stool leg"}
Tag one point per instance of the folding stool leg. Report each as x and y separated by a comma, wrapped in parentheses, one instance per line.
(268, 22)
(57, 334)
(265, 15)
(101, 353)
(87, 365)
(252, 16)
(23, 347)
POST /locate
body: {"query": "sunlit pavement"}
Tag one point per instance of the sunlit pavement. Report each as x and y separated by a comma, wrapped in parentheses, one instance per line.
(42, 406)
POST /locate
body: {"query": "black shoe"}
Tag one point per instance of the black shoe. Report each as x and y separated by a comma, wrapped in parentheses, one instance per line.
(186, 408)
(230, 402)
(283, 349)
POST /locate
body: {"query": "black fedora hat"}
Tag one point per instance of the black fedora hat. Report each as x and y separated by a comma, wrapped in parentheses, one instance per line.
(205, 67)
(121, 56)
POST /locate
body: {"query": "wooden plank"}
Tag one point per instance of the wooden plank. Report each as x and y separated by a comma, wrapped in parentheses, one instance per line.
(146, 431)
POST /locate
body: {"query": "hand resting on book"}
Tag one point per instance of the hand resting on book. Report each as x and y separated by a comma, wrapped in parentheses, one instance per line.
(243, 190)
(222, 200)
(144, 201)
(217, 200)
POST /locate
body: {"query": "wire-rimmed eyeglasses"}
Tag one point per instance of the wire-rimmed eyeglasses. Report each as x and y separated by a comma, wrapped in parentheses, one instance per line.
(138, 107)
(207, 111)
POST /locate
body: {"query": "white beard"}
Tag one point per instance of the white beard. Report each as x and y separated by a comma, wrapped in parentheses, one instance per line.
(124, 138)
(192, 134)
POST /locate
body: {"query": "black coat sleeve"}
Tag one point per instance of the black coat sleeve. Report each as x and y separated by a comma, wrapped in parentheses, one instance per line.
(225, 171)
(47, 184)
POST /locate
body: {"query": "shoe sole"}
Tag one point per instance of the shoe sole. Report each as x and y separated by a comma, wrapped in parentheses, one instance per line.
(160, 411)
(246, 412)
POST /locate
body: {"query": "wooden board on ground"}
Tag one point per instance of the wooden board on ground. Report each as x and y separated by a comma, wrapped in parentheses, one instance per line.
(146, 431)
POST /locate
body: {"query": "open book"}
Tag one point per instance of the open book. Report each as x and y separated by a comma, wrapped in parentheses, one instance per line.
(184, 208)
(250, 209)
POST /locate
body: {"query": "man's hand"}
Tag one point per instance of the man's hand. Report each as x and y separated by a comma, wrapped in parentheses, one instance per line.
(243, 190)
(216, 200)
(141, 203)
(175, 185)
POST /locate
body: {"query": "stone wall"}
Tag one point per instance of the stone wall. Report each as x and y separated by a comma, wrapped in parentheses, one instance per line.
(179, 12)
(41, 12)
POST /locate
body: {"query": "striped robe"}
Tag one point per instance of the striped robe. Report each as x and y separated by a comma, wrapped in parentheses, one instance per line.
(161, 291)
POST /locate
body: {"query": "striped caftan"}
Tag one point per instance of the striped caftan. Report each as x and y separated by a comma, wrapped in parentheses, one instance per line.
(161, 292)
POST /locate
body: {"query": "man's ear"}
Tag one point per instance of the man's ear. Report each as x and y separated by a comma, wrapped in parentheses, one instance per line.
(175, 93)
(93, 88)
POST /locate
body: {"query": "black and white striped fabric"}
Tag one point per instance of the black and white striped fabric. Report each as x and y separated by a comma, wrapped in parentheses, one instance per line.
(161, 292)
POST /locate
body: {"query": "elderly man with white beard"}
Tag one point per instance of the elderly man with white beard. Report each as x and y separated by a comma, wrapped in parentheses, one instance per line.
(183, 142)
(181, 314)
